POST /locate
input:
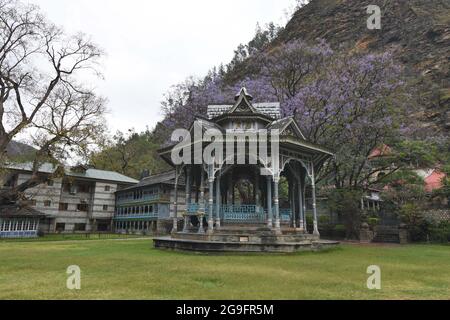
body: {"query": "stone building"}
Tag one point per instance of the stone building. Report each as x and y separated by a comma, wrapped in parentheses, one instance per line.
(81, 200)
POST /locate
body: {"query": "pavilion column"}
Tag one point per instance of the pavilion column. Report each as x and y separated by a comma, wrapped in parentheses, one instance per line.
(188, 199)
(293, 207)
(175, 204)
(313, 186)
(211, 201)
(277, 204)
(257, 198)
(269, 202)
(230, 188)
(301, 212)
(201, 202)
(218, 201)
(305, 224)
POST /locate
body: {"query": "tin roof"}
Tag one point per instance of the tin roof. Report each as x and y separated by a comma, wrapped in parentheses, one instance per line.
(271, 109)
(89, 173)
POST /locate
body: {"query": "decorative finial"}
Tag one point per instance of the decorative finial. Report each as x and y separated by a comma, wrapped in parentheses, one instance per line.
(243, 92)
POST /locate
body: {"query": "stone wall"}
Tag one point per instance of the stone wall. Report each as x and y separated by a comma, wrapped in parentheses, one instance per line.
(438, 215)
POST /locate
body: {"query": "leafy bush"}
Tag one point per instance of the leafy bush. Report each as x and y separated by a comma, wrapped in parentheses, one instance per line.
(373, 222)
(324, 220)
(440, 233)
(309, 221)
(346, 203)
(339, 231)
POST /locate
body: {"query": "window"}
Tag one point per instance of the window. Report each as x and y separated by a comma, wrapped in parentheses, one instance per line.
(103, 227)
(83, 207)
(60, 227)
(107, 188)
(50, 183)
(33, 203)
(83, 188)
(11, 181)
(105, 207)
(80, 227)
(63, 206)
(47, 203)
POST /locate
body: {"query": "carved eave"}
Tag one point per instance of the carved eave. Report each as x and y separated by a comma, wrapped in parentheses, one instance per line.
(243, 103)
(287, 127)
(245, 115)
(317, 153)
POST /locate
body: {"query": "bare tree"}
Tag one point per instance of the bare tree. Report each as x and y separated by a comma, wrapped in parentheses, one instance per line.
(40, 92)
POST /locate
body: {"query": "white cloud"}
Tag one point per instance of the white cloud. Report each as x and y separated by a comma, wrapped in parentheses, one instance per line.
(152, 45)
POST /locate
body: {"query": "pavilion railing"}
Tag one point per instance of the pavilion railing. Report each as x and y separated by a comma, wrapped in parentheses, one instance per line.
(137, 216)
(240, 213)
(285, 214)
(243, 214)
(193, 209)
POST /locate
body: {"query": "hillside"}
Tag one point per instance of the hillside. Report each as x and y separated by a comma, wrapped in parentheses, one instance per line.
(17, 149)
(417, 31)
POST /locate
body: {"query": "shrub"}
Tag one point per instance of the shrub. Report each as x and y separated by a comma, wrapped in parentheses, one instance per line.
(339, 231)
(309, 221)
(346, 203)
(440, 233)
(324, 220)
(373, 222)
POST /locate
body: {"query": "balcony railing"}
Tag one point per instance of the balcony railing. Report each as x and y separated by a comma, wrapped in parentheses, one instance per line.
(148, 198)
(136, 216)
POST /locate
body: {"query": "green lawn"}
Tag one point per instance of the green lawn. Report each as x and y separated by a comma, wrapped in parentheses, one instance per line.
(132, 269)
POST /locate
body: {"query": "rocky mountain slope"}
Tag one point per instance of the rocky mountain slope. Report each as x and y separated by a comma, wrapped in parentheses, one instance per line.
(418, 32)
(19, 149)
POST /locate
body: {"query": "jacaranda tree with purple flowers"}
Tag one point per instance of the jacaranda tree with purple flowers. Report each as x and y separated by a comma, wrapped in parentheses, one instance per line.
(351, 103)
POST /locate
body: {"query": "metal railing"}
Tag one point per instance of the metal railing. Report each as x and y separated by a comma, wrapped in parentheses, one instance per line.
(143, 216)
(148, 198)
(243, 214)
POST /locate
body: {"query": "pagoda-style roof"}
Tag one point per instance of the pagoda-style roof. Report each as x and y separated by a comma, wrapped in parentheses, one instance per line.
(270, 109)
(262, 116)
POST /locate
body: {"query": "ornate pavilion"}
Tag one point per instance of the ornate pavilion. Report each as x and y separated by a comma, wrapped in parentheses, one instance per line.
(242, 208)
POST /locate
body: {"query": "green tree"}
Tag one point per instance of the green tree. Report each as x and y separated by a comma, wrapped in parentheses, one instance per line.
(129, 153)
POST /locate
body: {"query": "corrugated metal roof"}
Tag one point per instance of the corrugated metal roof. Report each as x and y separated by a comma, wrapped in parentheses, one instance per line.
(161, 178)
(102, 175)
(88, 174)
(271, 109)
(28, 166)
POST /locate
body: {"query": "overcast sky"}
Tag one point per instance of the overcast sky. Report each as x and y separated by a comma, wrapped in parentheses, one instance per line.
(152, 45)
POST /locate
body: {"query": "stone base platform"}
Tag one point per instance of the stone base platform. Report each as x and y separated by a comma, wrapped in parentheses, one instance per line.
(244, 240)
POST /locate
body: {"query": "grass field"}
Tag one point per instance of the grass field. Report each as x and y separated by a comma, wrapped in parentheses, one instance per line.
(132, 269)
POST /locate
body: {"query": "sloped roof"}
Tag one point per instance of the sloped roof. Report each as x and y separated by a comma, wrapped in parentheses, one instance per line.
(28, 166)
(102, 175)
(284, 123)
(88, 174)
(161, 178)
(271, 109)
(434, 181)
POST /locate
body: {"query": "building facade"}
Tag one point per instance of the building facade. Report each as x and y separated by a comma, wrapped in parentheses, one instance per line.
(81, 200)
(147, 207)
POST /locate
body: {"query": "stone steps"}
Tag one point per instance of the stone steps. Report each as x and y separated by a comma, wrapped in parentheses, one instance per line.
(215, 246)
